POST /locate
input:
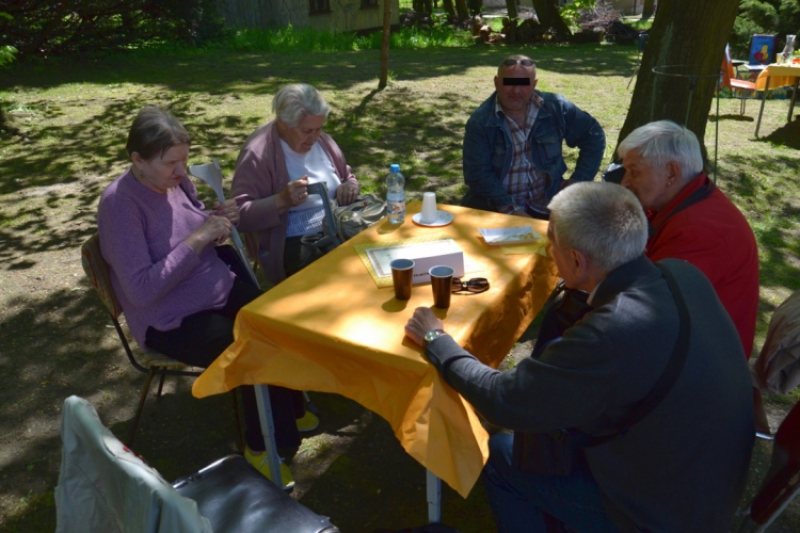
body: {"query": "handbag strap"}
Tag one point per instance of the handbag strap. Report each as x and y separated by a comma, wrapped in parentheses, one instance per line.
(697, 196)
(668, 378)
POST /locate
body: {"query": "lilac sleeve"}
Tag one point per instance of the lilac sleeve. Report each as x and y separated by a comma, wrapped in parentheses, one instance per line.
(144, 280)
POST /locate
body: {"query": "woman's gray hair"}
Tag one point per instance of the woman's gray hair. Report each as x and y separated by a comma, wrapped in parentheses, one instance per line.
(664, 141)
(154, 131)
(603, 220)
(292, 103)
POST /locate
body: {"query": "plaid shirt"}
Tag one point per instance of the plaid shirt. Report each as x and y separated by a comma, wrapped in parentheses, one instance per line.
(523, 182)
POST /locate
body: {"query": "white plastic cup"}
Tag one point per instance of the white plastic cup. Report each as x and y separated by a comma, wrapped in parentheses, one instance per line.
(429, 213)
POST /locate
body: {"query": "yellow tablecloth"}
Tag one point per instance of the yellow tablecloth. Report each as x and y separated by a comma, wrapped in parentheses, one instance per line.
(779, 76)
(329, 328)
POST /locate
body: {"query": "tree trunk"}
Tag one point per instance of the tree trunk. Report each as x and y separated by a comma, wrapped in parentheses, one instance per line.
(511, 32)
(686, 44)
(461, 9)
(647, 10)
(550, 17)
(387, 30)
(449, 8)
(511, 6)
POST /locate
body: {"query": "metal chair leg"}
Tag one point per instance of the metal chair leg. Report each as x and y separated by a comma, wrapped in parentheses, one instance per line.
(160, 385)
(142, 398)
(239, 438)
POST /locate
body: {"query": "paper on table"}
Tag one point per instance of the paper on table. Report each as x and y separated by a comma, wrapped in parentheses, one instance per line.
(470, 266)
(516, 235)
(381, 257)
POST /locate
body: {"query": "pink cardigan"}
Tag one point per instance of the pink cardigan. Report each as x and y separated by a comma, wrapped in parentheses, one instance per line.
(260, 175)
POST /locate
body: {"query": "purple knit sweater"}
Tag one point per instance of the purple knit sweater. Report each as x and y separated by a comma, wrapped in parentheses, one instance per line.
(157, 277)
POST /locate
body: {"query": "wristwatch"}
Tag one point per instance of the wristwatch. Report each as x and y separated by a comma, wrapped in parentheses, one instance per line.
(432, 335)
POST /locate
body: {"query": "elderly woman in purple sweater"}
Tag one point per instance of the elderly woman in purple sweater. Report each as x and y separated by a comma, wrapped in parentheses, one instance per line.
(278, 161)
(179, 297)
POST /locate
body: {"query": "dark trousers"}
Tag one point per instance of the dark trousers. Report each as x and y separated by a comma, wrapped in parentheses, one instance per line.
(203, 336)
(529, 503)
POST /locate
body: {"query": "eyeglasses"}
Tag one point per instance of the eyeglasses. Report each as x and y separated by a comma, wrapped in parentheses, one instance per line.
(474, 285)
(523, 62)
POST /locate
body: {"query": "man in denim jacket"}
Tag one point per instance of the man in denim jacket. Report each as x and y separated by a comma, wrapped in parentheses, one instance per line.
(518, 120)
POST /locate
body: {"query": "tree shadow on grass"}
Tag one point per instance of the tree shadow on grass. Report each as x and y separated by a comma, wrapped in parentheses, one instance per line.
(223, 73)
(787, 135)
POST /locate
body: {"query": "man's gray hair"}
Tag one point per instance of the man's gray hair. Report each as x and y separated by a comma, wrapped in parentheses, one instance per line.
(292, 103)
(603, 220)
(664, 141)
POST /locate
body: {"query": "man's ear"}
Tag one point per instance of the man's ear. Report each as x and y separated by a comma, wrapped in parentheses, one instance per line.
(673, 173)
(534, 82)
(581, 265)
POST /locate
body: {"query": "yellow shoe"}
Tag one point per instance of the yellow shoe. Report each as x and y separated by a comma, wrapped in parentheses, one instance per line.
(259, 460)
(309, 422)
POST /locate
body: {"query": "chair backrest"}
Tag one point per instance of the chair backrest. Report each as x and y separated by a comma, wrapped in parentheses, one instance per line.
(777, 368)
(762, 49)
(782, 482)
(726, 70)
(99, 274)
(641, 41)
(104, 486)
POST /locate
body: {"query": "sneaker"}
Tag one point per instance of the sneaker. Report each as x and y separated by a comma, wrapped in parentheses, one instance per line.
(309, 422)
(259, 461)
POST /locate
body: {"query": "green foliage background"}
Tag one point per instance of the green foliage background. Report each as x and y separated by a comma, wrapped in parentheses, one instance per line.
(779, 17)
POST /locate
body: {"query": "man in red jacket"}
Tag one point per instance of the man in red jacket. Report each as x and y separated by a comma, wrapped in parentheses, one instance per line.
(691, 219)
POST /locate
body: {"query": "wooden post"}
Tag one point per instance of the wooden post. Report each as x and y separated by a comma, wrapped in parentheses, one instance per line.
(387, 18)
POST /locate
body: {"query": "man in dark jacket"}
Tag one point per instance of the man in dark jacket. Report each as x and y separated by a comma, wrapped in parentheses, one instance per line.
(513, 160)
(683, 466)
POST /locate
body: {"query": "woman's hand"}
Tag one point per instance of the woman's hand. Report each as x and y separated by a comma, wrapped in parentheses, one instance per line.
(215, 229)
(293, 194)
(421, 323)
(228, 209)
(346, 193)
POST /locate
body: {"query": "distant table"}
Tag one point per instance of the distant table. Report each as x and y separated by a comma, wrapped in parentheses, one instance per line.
(329, 328)
(772, 77)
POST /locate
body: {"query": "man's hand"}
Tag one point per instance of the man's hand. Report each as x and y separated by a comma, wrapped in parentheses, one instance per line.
(422, 322)
(346, 193)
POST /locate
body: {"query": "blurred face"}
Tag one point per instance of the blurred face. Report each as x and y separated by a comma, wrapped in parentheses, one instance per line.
(302, 137)
(514, 98)
(654, 187)
(164, 172)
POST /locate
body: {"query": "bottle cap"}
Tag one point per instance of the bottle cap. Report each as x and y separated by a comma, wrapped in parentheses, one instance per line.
(394, 167)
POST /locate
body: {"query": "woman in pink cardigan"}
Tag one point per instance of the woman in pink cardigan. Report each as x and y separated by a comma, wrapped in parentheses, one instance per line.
(179, 298)
(278, 161)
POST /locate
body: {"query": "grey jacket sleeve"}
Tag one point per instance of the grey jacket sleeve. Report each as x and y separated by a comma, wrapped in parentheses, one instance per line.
(569, 386)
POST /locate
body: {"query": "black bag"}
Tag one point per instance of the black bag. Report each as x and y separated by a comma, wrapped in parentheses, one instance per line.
(558, 453)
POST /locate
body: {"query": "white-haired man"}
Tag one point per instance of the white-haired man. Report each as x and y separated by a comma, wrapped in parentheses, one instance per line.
(683, 466)
(691, 219)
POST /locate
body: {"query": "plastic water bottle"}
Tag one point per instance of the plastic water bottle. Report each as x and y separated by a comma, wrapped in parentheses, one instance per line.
(395, 195)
